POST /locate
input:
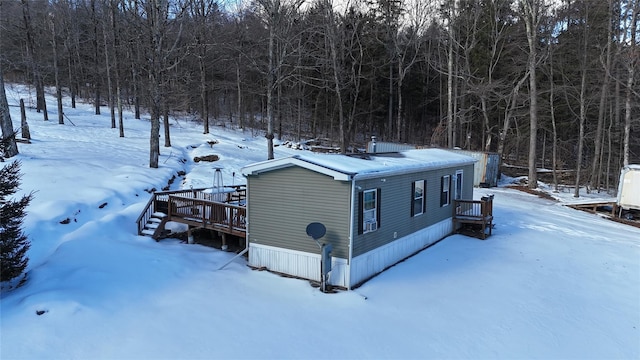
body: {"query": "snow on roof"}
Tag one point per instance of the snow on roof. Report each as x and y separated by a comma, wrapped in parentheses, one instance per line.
(362, 166)
(633, 166)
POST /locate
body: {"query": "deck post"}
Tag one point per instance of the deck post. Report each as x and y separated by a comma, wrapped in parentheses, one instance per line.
(224, 242)
(189, 235)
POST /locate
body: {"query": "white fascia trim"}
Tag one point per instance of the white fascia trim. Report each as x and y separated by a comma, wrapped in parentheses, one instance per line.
(255, 169)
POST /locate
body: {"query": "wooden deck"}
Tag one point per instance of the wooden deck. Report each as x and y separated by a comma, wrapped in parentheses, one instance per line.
(474, 217)
(198, 208)
(595, 206)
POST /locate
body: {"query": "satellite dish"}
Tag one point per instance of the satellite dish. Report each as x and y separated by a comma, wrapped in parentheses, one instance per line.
(316, 230)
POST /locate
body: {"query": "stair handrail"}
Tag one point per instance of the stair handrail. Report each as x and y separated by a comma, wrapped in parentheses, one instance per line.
(146, 214)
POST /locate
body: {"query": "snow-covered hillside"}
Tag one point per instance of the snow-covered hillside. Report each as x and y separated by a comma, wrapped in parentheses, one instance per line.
(551, 282)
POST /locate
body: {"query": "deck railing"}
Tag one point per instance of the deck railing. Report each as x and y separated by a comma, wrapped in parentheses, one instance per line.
(159, 201)
(475, 212)
(474, 208)
(211, 214)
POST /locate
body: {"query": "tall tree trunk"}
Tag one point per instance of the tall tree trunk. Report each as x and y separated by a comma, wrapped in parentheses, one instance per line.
(204, 98)
(24, 126)
(96, 60)
(617, 113)
(202, 62)
(271, 79)
(532, 20)
(116, 64)
(107, 62)
(631, 67)
(552, 111)
(450, 99)
(165, 124)
(333, 53)
(390, 99)
(8, 135)
(486, 133)
(508, 114)
(604, 89)
(72, 60)
(54, 45)
(41, 104)
(239, 94)
(72, 88)
(155, 80)
(609, 150)
(583, 102)
(582, 120)
(399, 90)
(136, 89)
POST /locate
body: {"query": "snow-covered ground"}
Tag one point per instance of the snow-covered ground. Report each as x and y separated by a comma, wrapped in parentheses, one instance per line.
(551, 282)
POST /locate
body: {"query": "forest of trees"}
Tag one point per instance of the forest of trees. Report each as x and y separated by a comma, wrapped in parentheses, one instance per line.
(545, 83)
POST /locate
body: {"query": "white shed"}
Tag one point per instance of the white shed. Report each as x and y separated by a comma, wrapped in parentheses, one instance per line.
(629, 188)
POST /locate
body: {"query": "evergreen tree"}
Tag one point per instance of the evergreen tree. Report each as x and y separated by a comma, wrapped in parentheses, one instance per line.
(13, 242)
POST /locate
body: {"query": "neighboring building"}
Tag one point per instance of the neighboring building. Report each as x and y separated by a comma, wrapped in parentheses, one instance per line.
(629, 188)
(486, 172)
(378, 209)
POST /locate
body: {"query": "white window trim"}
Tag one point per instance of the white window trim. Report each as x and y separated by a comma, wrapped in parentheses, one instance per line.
(422, 202)
(370, 225)
(446, 188)
(458, 184)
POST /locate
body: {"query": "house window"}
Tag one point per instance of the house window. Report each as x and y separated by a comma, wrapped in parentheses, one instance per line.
(444, 190)
(418, 193)
(457, 188)
(369, 211)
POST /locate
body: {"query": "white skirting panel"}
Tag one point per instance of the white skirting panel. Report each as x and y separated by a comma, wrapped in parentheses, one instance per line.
(307, 265)
(296, 263)
(373, 262)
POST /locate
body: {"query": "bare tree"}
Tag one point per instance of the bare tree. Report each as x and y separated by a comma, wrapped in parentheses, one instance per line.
(332, 40)
(115, 44)
(203, 12)
(96, 57)
(408, 50)
(450, 75)
(552, 111)
(278, 16)
(594, 179)
(41, 104)
(631, 64)
(531, 13)
(108, 53)
(162, 19)
(56, 70)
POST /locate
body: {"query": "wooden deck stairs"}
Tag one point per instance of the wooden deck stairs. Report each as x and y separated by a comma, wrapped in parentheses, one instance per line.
(474, 217)
(155, 226)
(221, 211)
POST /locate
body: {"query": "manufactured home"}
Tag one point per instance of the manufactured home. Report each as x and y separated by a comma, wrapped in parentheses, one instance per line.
(629, 188)
(377, 210)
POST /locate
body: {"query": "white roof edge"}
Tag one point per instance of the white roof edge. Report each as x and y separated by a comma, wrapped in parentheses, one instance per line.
(295, 160)
(373, 175)
(346, 173)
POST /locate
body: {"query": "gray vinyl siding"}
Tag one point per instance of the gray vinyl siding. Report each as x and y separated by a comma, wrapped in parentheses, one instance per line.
(283, 202)
(396, 201)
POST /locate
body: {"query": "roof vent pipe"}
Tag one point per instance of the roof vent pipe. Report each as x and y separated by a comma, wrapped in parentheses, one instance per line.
(373, 143)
